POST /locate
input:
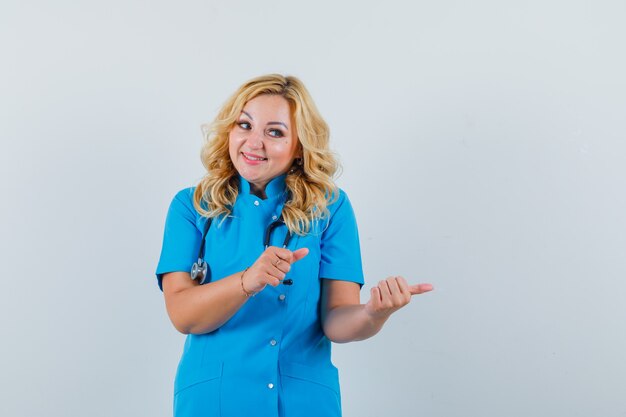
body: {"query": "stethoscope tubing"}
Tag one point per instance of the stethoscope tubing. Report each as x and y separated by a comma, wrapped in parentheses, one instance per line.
(200, 268)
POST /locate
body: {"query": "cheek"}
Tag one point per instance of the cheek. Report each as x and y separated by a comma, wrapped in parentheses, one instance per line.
(284, 149)
(282, 152)
(233, 145)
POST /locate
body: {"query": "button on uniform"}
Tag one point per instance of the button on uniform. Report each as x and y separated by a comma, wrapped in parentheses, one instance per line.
(281, 297)
(256, 202)
(270, 385)
(273, 342)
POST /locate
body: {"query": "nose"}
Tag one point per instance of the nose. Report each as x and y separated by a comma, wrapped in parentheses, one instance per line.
(254, 140)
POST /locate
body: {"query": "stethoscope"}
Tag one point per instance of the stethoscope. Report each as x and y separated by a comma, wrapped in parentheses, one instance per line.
(200, 268)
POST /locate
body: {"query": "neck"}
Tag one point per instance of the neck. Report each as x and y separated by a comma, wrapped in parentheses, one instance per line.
(258, 191)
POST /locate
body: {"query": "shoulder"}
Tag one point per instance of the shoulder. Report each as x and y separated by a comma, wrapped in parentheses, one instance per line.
(339, 202)
(183, 201)
(340, 211)
(185, 195)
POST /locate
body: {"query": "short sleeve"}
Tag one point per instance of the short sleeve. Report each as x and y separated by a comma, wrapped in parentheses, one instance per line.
(181, 238)
(340, 248)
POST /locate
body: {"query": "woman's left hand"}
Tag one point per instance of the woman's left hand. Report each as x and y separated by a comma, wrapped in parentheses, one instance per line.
(391, 295)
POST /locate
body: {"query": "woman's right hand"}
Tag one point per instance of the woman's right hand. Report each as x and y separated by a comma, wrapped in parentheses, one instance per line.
(270, 268)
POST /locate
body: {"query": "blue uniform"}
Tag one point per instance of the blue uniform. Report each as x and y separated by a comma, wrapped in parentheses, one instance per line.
(271, 358)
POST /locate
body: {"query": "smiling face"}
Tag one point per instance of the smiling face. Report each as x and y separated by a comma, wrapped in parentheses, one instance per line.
(263, 142)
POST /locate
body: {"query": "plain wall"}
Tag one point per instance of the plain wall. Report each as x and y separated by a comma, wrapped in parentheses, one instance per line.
(483, 149)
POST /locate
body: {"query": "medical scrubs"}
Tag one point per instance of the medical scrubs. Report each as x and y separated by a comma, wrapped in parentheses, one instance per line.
(271, 358)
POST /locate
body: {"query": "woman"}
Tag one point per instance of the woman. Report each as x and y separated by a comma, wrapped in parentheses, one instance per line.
(283, 265)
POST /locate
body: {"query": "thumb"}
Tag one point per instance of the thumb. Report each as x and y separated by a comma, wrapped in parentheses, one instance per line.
(420, 288)
(299, 254)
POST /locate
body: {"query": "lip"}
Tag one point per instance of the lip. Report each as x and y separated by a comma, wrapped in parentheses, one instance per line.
(246, 156)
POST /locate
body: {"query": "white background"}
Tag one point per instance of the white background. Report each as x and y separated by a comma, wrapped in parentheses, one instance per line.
(483, 149)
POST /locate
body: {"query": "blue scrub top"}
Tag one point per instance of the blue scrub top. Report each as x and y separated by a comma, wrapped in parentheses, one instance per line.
(271, 358)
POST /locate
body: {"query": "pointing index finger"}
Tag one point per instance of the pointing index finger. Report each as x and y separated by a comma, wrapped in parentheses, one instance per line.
(284, 255)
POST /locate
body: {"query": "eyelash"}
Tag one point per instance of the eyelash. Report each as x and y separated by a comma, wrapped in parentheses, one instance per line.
(275, 133)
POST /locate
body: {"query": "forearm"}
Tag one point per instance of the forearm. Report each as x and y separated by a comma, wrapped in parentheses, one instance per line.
(204, 308)
(351, 323)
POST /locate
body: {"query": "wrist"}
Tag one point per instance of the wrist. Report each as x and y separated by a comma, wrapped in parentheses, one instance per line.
(243, 288)
(377, 317)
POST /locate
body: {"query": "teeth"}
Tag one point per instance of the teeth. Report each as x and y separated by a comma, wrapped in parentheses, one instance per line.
(253, 158)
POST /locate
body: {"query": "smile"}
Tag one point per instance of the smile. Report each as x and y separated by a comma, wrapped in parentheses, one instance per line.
(254, 158)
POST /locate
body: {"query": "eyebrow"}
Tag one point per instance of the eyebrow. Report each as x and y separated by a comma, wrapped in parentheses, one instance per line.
(269, 123)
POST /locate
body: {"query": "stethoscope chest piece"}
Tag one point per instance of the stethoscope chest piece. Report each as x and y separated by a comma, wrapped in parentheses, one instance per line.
(199, 270)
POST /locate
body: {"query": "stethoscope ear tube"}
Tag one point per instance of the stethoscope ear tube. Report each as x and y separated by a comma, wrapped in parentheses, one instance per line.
(270, 229)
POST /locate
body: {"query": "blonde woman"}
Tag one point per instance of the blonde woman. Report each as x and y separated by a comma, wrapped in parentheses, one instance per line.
(261, 265)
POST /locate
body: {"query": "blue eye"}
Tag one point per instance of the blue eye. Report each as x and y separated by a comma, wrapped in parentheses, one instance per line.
(276, 133)
(244, 125)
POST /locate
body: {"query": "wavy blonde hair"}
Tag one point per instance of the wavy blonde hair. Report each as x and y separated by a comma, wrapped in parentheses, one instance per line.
(310, 185)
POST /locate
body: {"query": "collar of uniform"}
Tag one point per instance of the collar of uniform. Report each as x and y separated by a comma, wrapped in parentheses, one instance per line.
(274, 188)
